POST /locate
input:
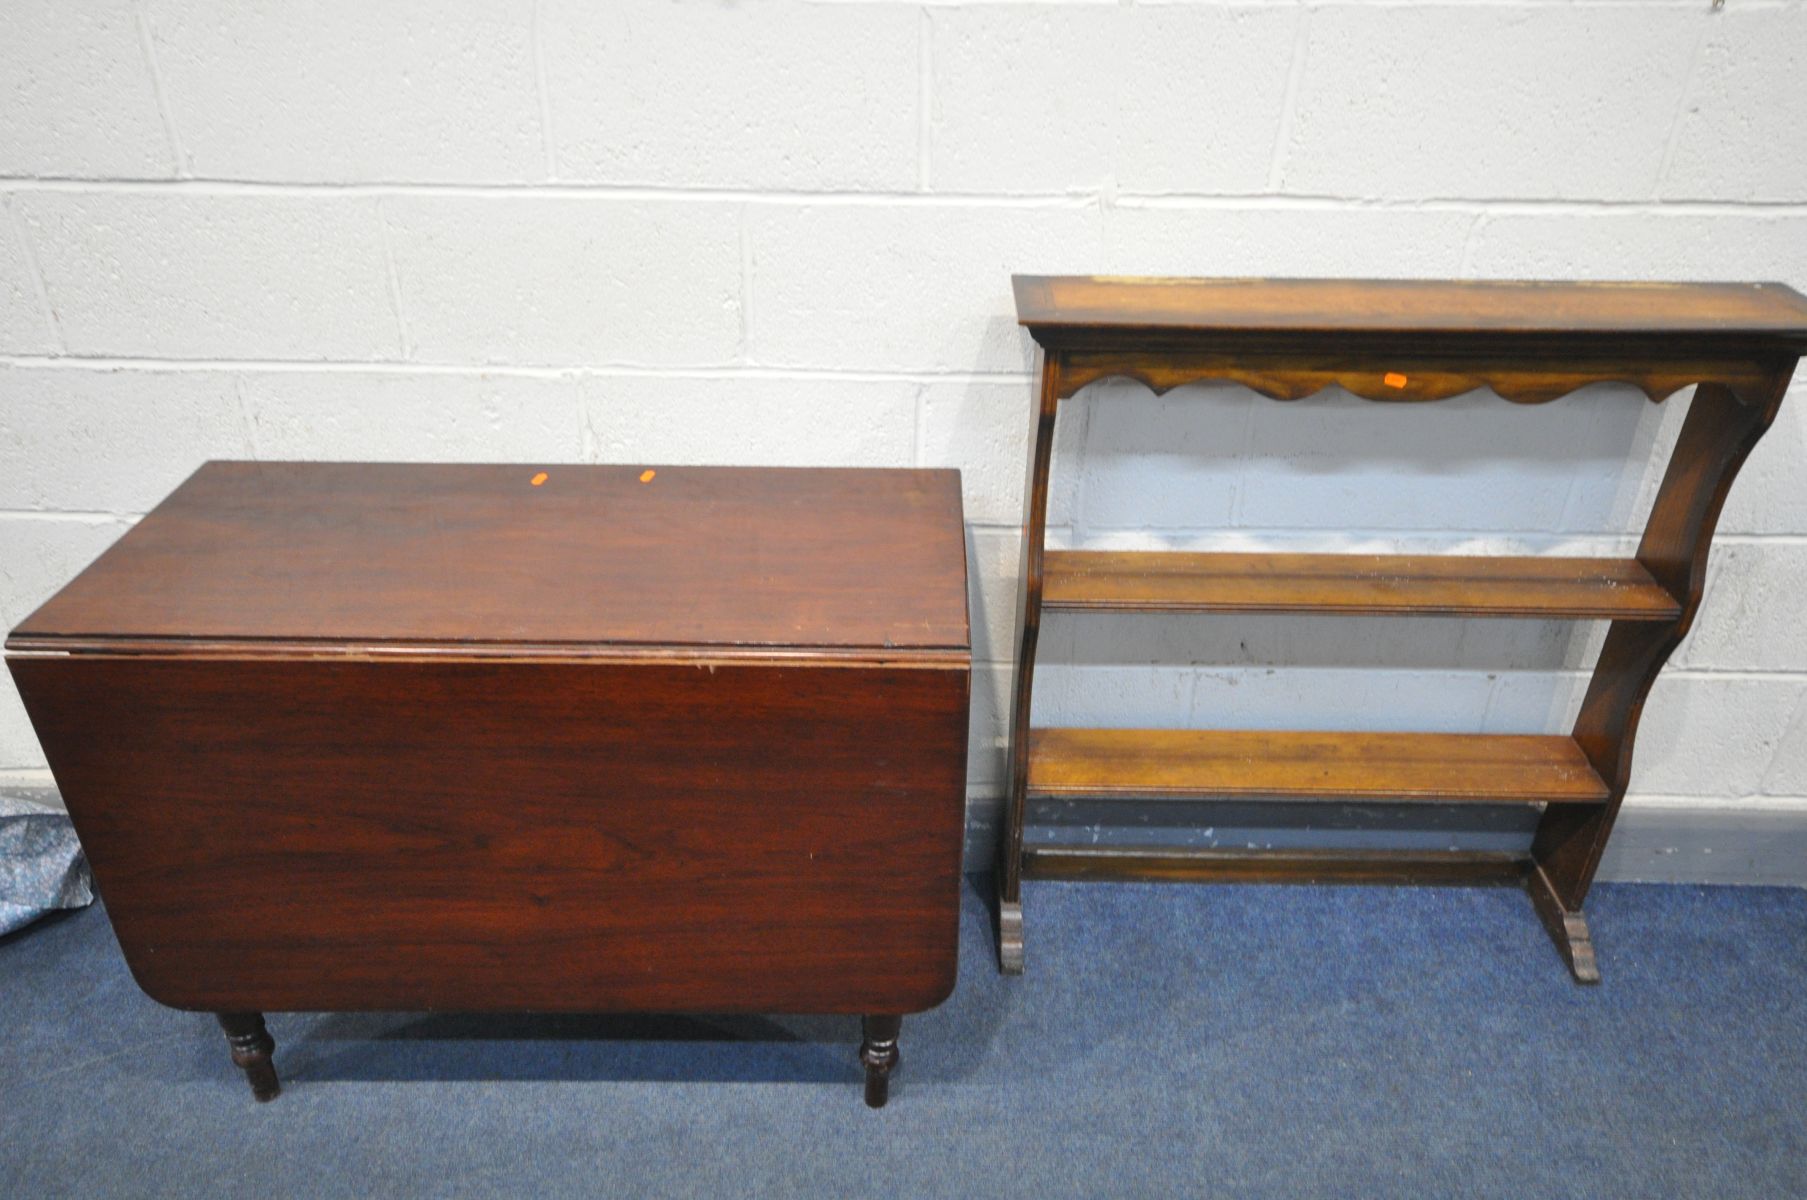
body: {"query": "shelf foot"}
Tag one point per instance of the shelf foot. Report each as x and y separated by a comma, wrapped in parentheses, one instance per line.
(1010, 936)
(1566, 926)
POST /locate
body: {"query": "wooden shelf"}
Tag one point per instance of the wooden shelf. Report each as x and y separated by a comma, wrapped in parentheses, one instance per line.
(1735, 345)
(1443, 768)
(1186, 864)
(1356, 584)
(1096, 307)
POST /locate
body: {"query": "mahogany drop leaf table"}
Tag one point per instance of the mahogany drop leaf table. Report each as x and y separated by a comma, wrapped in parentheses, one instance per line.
(1529, 343)
(484, 738)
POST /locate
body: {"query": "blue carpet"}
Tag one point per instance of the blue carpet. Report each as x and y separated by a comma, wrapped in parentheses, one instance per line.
(1183, 1040)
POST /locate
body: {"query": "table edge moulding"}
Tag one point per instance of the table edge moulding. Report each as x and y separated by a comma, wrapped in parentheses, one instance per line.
(1387, 340)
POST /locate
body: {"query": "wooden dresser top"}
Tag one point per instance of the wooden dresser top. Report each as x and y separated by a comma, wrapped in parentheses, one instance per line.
(339, 556)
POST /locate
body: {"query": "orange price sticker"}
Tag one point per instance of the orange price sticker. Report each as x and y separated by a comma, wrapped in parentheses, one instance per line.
(647, 476)
(538, 479)
(1393, 379)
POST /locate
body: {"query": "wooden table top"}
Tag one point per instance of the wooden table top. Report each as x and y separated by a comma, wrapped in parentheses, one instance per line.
(449, 557)
(1050, 304)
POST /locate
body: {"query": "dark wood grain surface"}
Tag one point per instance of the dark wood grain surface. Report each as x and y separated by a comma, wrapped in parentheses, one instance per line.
(1345, 306)
(1719, 433)
(1443, 768)
(352, 553)
(1545, 586)
(303, 834)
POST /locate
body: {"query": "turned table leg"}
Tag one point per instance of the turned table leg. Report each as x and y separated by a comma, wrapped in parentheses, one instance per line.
(878, 1052)
(251, 1048)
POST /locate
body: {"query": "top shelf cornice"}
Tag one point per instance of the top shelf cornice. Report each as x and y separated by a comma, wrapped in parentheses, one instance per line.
(1094, 311)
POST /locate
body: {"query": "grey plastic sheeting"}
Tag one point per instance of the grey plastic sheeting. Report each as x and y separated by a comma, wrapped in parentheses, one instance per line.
(42, 867)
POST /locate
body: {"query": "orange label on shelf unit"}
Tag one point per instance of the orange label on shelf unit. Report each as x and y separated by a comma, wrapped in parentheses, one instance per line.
(1393, 379)
(538, 479)
(647, 476)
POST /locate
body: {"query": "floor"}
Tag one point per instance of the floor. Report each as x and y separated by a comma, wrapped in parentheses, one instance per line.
(1167, 1040)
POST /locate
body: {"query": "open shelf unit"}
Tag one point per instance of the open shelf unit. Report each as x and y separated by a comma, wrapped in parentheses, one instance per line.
(1529, 343)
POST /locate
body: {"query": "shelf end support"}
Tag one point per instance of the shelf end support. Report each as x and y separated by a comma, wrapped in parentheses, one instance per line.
(1566, 926)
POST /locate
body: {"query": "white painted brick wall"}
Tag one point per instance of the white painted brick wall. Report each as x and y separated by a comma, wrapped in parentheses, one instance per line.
(158, 274)
(771, 95)
(25, 326)
(110, 441)
(781, 232)
(405, 417)
(509, 279)
(345, 90)
(754, 422)
(1771, 494)
(914, 287)
(1487, 101)
(1168, 236)
(77, 94)
(1686, 244)
(1742, 134)
(1787, 773)
(1710, 735)
(38, 554)
(1021, 102)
